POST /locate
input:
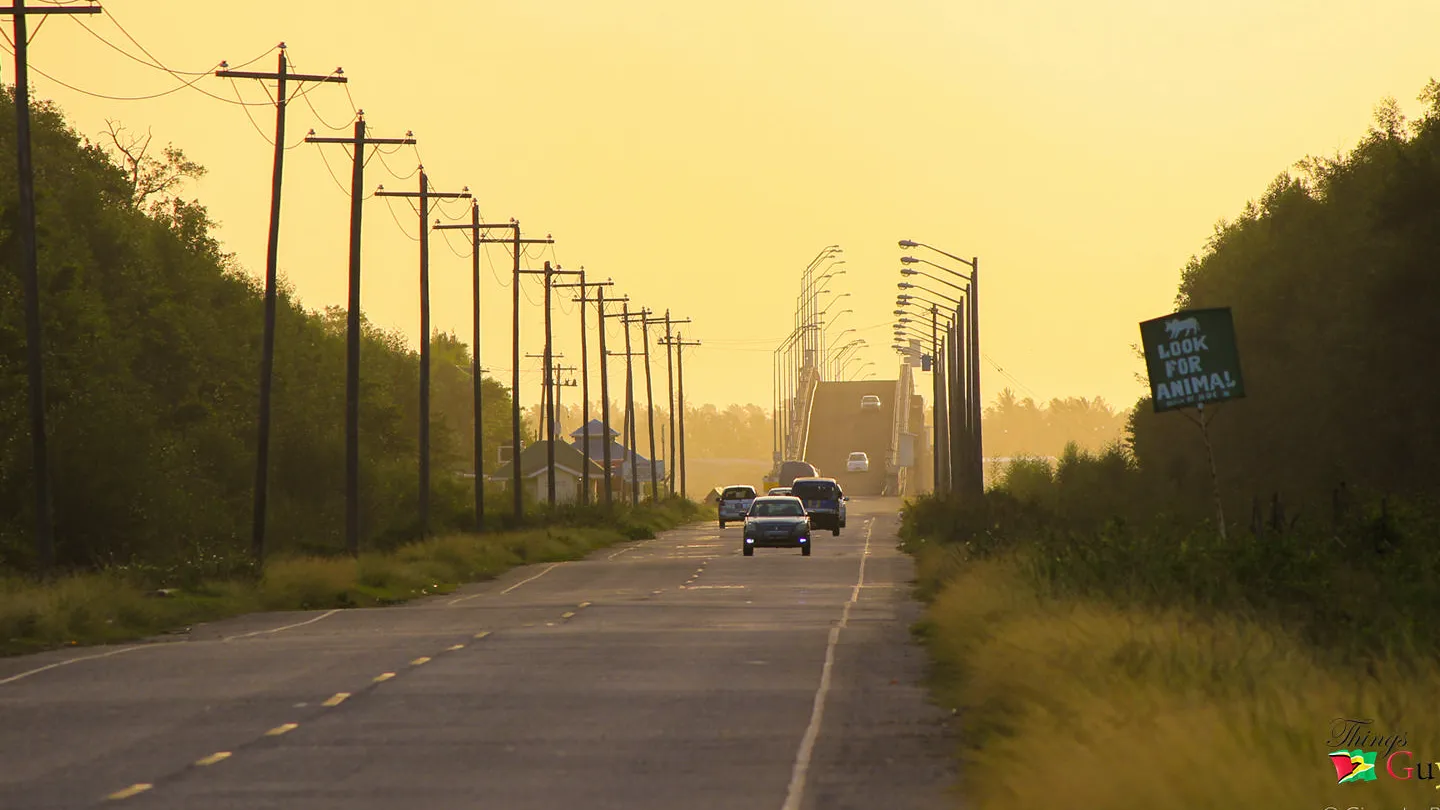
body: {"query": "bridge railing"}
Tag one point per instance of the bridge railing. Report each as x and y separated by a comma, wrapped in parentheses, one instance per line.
(899, 425)
(799, 427)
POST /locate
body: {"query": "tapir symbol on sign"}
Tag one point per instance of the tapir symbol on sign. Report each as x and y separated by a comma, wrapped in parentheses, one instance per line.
(1187, 326)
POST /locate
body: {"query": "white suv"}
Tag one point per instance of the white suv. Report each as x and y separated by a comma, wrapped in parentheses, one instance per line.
(735, 503)
(869, 402)
(858, 462)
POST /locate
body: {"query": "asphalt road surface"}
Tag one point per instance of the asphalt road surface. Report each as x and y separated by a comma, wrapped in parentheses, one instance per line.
(667, 673)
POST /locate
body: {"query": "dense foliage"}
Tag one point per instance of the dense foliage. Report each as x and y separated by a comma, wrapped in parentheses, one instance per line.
(152, 356)
(1331, 279)
(1327, 470)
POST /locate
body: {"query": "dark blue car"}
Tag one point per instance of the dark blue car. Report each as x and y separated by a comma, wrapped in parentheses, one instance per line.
(824, 502)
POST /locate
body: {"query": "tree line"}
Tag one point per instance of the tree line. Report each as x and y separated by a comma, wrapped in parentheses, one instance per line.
(152, 354)
(1331, 279)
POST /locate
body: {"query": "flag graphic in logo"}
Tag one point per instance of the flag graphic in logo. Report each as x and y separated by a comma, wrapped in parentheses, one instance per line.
(1353, 766)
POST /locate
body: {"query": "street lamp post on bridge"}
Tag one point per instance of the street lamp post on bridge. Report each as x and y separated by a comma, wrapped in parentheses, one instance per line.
(972, 342)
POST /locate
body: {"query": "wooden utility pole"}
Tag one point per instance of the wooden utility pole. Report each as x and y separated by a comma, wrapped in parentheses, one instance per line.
(630, 439)
(357, 142)
(583, 285)
(515, 242)
(559, 384)
(605, 392)
(425, 195)
(30, 272)
(476, 228)
(548, 414)
(282, 79)
(670, 383)
(680, 344)
(645, 322)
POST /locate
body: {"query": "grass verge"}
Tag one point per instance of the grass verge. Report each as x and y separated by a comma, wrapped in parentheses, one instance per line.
(1070, 701)
(127, 603)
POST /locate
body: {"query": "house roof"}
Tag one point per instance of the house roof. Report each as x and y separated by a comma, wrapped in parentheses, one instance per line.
(597, 430)
(535, 458)
(618, 452)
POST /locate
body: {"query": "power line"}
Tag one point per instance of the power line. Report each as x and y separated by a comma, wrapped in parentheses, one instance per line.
(391, 208)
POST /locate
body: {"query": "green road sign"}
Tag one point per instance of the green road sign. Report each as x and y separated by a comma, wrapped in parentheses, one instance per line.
(1192, 359)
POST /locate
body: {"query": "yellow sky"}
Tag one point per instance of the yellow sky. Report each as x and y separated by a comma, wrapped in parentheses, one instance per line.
(701, 154)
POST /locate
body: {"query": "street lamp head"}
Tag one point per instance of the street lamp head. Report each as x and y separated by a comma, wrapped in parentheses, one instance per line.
(899, 312)
(906, 243)
(909, 260)
(905, 285)
(906, 271)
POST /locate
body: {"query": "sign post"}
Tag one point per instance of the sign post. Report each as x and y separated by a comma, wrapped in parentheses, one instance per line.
(1192, 360)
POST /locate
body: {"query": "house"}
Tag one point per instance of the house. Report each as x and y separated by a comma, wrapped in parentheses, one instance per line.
(569, 467)
(620, 455)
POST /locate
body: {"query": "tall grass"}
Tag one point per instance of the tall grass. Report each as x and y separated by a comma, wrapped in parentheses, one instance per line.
(128, 602)
(1102, 650)
(1077, 703)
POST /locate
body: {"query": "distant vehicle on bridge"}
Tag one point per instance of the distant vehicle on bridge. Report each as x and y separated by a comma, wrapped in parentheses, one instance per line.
(791, 470)
(858, 462)
(869, 402)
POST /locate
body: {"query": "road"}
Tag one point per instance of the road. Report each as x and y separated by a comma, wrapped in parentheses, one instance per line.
(664, 673)
(838, 428)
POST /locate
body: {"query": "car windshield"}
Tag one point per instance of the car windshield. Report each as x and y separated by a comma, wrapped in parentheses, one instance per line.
(738, 494)
(856, 456)
(777, 509)
(818, 490)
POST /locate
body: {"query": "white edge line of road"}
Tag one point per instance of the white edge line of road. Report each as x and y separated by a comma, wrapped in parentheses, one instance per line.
(801, 770)
(547, 570)
(68, 662)
(327, 614)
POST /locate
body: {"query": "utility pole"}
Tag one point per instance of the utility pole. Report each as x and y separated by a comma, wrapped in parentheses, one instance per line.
(605, 392)
(549, 412)
(30, 271)
(357, 142)
(630, 407)
(425, 195)
(476, 228)
(680, 344)
(540, 420)
(282, 78)
(645, 322)
(517, 480)
(583, 285)
(670, 383)
(559, 384)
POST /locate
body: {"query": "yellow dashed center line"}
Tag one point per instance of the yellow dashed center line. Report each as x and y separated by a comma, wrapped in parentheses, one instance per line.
(384, 676)
(336, 699)
(482, 634)
(129, 791)
(285, 729)
(584, 604)
(567, 614)
(421, 660)
(218, 756)
(454, 648)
